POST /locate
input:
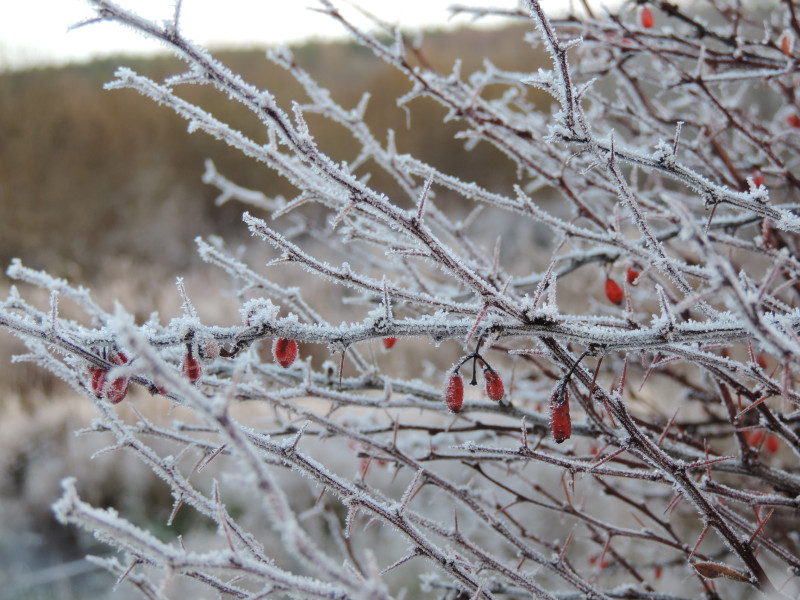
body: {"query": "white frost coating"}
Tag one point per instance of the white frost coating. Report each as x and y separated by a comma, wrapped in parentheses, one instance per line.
(683, 392)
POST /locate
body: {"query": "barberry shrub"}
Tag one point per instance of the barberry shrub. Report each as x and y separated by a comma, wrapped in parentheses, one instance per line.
(658, 487)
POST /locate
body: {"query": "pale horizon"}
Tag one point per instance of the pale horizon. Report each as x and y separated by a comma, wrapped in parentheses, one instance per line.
(38, 34)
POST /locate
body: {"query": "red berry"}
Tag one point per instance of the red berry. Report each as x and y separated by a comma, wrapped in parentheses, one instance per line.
(771, 444)
(117, 358)
(98, 380)
(632, 275)
(389, 342)
(753, 437)
(284, 351)
(191, 368)
(657, 570)
(761, 361)
(117, 391)
(786, 42)
(560, 422)
(646, 17)
(793, 120)
(454, 393)
(494, 386)
(758, 177)
(614, 292)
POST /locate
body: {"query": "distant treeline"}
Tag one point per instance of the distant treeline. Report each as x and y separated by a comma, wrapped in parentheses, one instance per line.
(88, 175)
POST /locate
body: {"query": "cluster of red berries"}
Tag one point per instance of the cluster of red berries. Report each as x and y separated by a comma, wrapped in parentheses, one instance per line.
(284, 351)
(560, 421)
(454, 389)
(115, 391)
(754, 438)
(614, 291)
(206, 349)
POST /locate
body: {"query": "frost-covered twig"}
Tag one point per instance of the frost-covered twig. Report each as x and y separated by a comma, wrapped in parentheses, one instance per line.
(657, 331)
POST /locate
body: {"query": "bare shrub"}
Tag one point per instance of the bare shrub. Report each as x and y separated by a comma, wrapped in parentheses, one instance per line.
(645, 441)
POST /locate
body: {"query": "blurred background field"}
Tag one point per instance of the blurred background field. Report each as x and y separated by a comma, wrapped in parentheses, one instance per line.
(104, 189)
(88, 176)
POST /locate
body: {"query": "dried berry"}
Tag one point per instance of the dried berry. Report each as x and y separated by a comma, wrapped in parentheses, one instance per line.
(191, 368)
(632, 275)
(711, 570)
(646, 17)
(614, 292)
(454, 393)
(494, 385)
(284, 351)
(560, 422)
(208, 349)
(389, 342)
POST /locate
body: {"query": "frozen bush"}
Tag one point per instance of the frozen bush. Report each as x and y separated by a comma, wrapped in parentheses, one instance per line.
(637, 435)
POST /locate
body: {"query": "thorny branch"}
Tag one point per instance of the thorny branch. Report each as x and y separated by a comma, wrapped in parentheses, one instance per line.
(656, 168)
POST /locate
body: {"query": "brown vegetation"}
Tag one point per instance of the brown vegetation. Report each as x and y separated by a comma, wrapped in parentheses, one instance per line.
(88, 176)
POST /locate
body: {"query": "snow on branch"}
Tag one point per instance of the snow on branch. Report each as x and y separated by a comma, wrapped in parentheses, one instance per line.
(566, 385)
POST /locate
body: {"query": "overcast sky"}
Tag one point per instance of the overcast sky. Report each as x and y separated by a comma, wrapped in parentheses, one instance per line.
(35, 31)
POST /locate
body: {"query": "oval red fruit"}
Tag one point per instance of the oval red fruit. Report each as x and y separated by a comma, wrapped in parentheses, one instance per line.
(793, 120)
(758, 177)
(98, 380)
(494, 386)
(632, 275)
(614, 292)
(117, 358)
(771, 444)
(117, 391)
(786, 42)
(753, 437)
(560, 422)
(389, 342)
(191, 368)
(646, 17)
(284, 351)
(454, 393)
